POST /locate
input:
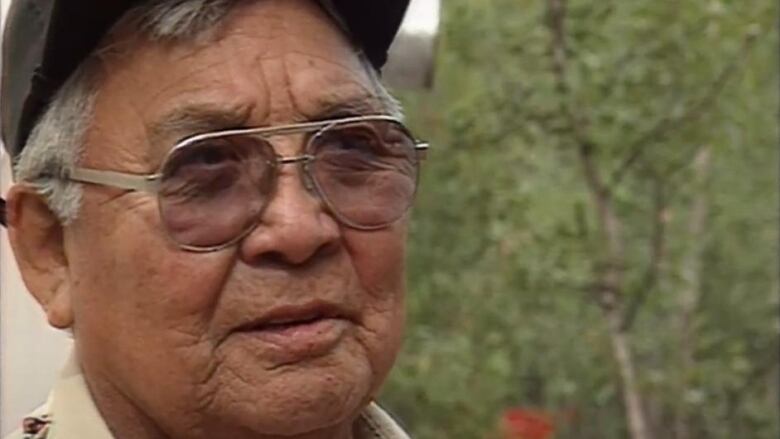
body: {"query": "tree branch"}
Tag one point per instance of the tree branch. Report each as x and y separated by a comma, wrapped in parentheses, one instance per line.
(556, 16)
(611, 274)
(669, 123)
(657, 251)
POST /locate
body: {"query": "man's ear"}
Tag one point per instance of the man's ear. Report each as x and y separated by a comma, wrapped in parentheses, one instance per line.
(36, 238)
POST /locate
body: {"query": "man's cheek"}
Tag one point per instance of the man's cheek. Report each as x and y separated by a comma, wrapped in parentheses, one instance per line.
(190, 283)
(181, 283)
(380, 337)
(378, 258)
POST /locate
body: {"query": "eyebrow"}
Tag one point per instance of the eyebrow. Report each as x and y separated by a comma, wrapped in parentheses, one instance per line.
(191, 119)
(196, 118)
(355, 106)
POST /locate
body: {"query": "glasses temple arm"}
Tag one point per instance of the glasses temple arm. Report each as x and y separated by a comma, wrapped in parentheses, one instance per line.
(120, 180)
(147, 183)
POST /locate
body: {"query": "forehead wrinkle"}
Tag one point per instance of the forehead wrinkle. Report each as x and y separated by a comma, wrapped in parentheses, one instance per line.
(350, 67)
(281, 103)
(345, 96)
(339, 100)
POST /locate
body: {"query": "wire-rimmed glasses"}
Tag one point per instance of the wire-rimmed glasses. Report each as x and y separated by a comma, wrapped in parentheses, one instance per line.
(212, 188)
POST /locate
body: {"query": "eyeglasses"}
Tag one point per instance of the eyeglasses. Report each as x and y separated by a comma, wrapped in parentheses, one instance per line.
(212, 188)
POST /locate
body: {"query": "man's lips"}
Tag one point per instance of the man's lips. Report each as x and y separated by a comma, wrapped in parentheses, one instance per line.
(295, 332)
(287, 316)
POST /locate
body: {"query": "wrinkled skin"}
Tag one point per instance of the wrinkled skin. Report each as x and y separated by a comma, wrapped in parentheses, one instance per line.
(155, 326)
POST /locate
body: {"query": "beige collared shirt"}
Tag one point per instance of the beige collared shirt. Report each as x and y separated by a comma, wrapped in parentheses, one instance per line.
(70, 413)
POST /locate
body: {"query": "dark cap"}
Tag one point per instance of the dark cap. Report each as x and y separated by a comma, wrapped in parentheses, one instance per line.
(46, 40)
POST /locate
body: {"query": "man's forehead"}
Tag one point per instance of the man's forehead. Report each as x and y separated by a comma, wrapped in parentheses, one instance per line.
(287, 89)
(246, 75)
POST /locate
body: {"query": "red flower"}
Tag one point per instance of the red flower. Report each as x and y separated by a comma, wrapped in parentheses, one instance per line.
(527, 424)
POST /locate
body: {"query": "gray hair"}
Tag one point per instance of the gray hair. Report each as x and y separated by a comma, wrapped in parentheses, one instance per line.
(56, 142)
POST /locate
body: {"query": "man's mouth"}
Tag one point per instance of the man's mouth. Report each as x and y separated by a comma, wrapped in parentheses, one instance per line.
(286, 316)
(290, 316)
(299, 331)
(281, 324)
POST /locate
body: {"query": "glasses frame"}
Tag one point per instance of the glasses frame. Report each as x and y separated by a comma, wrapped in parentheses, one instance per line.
(150, 183)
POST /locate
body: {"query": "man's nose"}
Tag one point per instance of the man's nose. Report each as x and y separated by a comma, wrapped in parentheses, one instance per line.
(295, 227)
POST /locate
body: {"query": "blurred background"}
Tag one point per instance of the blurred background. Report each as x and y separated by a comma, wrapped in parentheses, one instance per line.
(594, 251)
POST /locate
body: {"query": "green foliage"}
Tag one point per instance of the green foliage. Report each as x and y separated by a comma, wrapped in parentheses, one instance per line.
(505, 237)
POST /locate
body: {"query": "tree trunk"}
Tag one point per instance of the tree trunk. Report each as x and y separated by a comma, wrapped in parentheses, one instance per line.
(631, 396)
(610, 297)
(691, 290)
(609, 282)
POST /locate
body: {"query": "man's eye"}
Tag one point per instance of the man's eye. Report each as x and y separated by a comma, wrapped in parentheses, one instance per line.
(204, 169)
(203, 157)
(354, 143)
(352, 140)
(211, 155)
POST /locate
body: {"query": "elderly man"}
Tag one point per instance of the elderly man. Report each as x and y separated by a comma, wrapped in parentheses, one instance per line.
(213, 197)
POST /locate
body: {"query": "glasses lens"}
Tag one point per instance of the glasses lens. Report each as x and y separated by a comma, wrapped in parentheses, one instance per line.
(367, 171)
(213, 190)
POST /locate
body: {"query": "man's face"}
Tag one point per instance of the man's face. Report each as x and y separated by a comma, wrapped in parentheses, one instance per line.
(235, 340)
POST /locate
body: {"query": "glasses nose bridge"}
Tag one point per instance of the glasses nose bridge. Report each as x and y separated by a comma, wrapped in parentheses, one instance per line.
(300, 136)
(302, 160)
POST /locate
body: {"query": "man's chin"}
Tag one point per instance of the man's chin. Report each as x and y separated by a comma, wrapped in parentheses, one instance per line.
(312, 394)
